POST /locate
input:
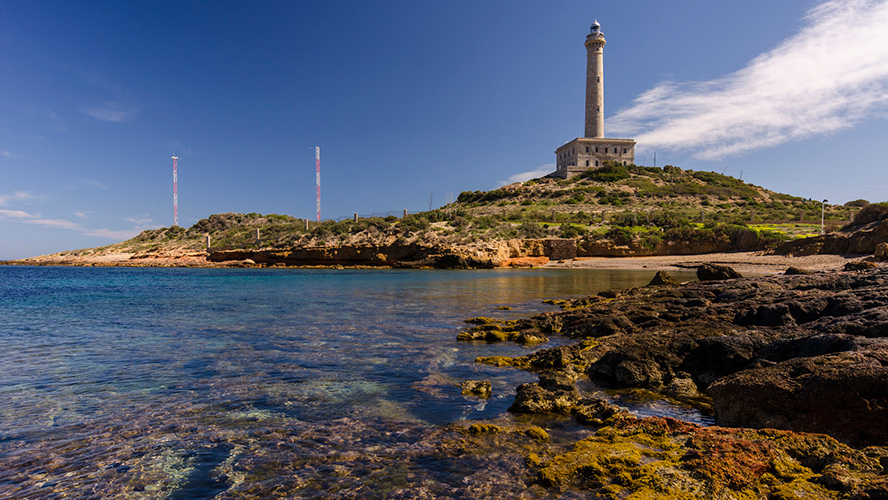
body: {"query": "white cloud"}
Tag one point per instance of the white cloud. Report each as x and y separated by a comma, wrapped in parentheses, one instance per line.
(60, 223)
(16, 214)
(540, 171)
(111, 112)
(145, 222)
(830, 76)
(16, 196)
(37, 219)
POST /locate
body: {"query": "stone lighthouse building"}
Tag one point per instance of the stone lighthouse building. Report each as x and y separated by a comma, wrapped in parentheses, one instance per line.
(593, 150)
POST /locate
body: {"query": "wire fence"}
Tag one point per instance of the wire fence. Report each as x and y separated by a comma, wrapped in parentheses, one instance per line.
(396, 213)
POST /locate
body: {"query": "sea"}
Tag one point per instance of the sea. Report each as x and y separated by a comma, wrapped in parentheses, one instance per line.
(267, 383)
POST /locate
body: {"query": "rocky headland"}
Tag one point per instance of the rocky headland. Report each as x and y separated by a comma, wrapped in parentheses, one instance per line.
(613, 211)
(793, 367)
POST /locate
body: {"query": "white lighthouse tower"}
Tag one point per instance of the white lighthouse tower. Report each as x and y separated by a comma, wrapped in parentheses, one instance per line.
(593, 150)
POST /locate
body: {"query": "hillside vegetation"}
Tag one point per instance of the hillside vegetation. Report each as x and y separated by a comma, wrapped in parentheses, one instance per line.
(623, 205)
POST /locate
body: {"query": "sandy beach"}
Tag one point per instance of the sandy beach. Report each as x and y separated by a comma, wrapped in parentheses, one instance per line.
(742, 262)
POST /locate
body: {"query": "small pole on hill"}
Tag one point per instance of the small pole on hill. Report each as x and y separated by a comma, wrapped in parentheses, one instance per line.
(318, 178)
(822, 212)
(175, 191)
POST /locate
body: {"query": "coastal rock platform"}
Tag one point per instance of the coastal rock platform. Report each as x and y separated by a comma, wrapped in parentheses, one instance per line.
(794, 369)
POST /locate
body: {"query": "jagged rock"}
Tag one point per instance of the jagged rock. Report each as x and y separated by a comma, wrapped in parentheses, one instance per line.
(881, 251)
(857, 240)
(858, 265)
(715, 272)
(533, 398)
(844, 395)
(662, 278)
(795, 271)
(477, 388)
(682, 388)
(715, 357)
(596, 412)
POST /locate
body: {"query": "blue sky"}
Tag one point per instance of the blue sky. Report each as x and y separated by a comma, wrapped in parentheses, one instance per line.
(411, 101)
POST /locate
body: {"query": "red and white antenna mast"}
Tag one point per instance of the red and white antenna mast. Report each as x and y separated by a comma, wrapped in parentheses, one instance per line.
(175, 192)
(318, 178)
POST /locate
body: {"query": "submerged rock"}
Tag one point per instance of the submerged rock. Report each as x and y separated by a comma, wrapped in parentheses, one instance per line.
(476, 388)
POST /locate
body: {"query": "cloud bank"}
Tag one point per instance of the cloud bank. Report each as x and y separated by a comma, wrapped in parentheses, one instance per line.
(831, 76)
(16, 196)
(37, 219)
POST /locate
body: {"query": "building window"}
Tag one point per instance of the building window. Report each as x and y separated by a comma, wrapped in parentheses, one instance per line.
(596, 163)
(587, 163)
(624, 163)
(596, 149)
(587, 149)
(624, 150)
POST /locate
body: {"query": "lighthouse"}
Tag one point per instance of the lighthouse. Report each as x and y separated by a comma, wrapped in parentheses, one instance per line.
(592, 150)
(595, 82)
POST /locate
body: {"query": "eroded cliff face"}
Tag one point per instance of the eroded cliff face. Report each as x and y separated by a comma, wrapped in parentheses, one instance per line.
(413, 255)
(491, 254)
(860, 240)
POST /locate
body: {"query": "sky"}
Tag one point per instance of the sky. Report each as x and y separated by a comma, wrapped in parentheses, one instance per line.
(412, 103)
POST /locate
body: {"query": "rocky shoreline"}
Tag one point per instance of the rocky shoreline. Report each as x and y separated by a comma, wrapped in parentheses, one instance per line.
(794, 367)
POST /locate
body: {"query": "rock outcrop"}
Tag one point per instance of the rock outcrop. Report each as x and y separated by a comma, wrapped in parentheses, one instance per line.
(858, 240)
(781, 351)
(715, 272)
(794, 366)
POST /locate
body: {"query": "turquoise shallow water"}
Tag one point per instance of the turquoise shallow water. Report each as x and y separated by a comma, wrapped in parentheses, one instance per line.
(202, 383)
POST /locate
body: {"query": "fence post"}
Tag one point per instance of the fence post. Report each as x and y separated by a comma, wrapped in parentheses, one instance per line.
(306, 224)
(553, 215)
(208, 243)
(356, 217)
(405, 212)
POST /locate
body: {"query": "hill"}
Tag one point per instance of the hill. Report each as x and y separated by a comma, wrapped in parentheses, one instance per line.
(611, 211)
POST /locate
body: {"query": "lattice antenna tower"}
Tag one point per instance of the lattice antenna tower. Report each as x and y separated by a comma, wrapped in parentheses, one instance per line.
(175, 192)
(318, 178)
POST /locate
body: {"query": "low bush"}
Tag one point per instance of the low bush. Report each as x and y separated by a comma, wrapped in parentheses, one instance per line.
(871, 213)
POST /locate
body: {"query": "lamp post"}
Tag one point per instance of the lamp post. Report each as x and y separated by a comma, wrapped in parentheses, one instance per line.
(822, 210)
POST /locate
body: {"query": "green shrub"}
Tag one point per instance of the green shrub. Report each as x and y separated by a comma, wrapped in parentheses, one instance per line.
(569, 230)
(414, 223)
(610, 172)
(531, 230)
(871, 213)
(857, 203)
(620, 235)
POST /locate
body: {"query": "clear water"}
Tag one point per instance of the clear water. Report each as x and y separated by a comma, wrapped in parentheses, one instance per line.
(203, 383)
